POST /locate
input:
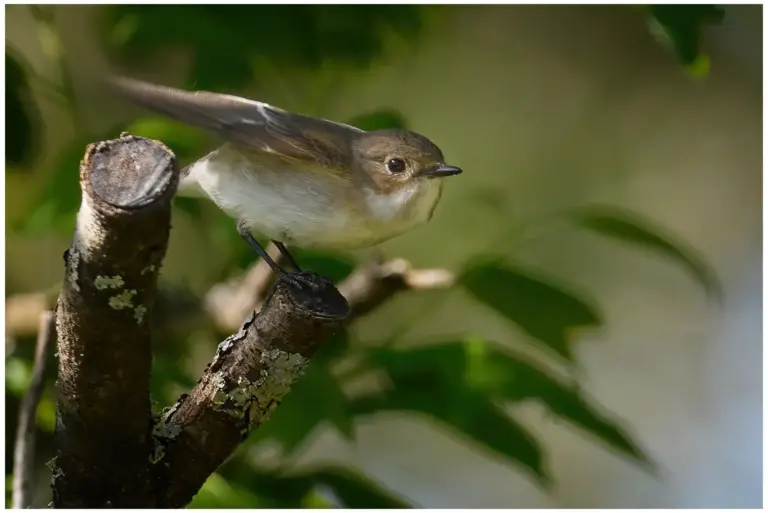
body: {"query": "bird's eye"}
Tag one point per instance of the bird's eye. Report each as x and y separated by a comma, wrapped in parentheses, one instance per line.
(395, 165)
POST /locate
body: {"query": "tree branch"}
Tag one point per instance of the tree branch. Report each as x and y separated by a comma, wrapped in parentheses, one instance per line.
(226, 304)
(370, 285)
(24, 452)
(105, 351)
(250, 374)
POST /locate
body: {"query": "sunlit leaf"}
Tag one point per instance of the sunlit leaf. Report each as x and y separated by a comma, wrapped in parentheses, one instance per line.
(218, 493)
(542, 309)
(385, 118)
(680, 27)
(622, 225)
(45, 416)
(22, 118)
(18, 373)
(315, 500)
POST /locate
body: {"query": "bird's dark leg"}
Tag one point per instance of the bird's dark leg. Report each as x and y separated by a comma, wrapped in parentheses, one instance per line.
(284, 251)
(297, 279)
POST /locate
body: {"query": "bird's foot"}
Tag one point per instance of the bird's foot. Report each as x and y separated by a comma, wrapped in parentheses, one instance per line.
(304, 280)
(314, 292)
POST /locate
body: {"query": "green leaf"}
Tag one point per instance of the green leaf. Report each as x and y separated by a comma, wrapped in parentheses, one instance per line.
(378, 120)
(277, 489)
(316, 397)
(18, 373)
(333, 266)
(623, 225)
(355, 490)
(680, 26)
(542, 309)
(519, 379)
(218, 493)
(473, 415)
(466, 370)
(190, 206)
(227, 52)
(22, 119)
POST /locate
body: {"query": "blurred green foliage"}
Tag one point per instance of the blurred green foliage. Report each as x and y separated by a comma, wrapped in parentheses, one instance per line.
(465, 385)
(230, 41)
(20, 111)
(680, 27)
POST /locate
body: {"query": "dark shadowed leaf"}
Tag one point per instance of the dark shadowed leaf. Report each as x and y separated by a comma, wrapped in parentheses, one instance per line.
(385, 118)
(623, 225)
(542, 309)
(277, 489)
(316, 397)
(336, 346)
(521, 379)
(680, 27)
(471, 414)
(274, 489)
(228, 52)
(21, 115)
(190, 206)
(331, 265)
(490, 371)
(355, 490)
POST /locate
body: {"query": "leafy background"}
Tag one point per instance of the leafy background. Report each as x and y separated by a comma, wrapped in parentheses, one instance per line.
(471, 381)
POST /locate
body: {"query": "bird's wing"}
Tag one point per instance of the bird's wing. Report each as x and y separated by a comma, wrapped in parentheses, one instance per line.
(248, 123)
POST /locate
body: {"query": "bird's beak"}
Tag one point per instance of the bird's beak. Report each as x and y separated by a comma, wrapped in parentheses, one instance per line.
(440, 171)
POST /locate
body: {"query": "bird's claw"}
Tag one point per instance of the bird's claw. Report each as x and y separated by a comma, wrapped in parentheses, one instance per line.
(305, 281)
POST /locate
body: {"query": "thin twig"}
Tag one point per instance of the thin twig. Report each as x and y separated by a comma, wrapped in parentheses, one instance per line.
(24, 453)
(226, 304)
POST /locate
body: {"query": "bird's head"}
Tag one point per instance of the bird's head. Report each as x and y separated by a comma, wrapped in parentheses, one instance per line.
(395, 158)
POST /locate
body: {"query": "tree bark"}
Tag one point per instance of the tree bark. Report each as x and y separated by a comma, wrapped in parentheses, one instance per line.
(104, 346)
(247, 379)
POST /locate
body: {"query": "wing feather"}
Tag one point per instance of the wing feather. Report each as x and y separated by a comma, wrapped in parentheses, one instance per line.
(254, 125)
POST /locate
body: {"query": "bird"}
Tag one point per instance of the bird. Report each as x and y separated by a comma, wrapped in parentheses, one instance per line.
(299, 180)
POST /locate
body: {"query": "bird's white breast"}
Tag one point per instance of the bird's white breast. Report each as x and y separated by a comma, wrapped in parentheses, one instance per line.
(305, 209)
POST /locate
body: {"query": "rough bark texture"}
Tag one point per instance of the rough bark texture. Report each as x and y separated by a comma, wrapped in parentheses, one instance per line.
(250, 374)
(104, 345)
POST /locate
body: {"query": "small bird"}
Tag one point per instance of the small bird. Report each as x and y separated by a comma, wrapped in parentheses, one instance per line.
(300, 180)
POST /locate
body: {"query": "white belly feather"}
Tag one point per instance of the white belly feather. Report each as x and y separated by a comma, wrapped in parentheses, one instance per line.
(302, 210)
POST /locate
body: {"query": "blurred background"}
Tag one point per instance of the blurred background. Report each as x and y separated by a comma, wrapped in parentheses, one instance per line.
(602, 344)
